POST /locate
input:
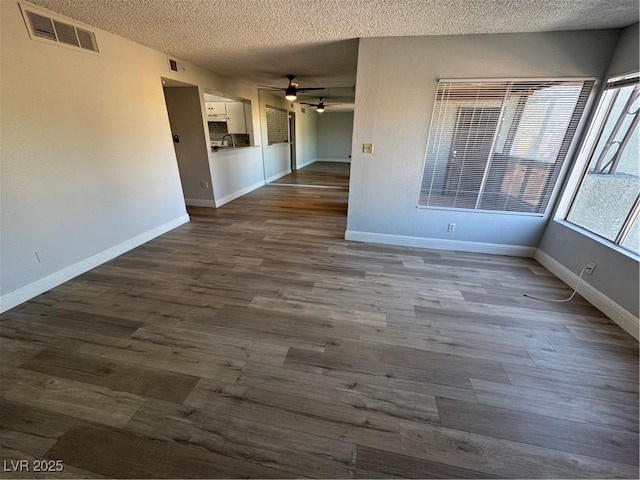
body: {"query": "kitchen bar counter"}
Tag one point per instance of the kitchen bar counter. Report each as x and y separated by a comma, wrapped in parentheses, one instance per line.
(224, 150)
(235, 171)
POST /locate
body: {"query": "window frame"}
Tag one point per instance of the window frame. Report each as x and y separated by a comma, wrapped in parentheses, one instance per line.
(580, 169)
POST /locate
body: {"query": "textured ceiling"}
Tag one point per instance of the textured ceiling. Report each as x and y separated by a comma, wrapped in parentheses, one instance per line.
(263, 40)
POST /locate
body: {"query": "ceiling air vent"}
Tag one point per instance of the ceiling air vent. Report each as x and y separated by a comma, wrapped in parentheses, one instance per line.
(66, 33)
(174, 65)
(43, 27)
(87, 40)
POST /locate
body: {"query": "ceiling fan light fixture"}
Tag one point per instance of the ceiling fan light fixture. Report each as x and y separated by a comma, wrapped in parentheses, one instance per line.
(320, 108)
(290, 93)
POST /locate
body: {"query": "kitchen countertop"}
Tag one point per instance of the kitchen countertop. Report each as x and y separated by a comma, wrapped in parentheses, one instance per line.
(221, 150)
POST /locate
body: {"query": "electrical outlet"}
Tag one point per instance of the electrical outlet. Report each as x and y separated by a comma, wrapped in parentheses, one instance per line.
(451, 227)
(367, 148)
(204, 184)
(590, 268)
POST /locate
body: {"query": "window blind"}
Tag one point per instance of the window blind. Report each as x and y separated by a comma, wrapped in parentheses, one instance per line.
(499, 145)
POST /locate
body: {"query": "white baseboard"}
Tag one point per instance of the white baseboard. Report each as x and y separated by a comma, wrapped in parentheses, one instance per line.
(22, 294)
(196, 202)
(237, 194)
(305, 164)
(277, 176)
(611, 309)
(336, 160)
(440, 244)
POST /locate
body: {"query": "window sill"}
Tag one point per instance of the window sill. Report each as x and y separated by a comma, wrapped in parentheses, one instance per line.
(597, 238)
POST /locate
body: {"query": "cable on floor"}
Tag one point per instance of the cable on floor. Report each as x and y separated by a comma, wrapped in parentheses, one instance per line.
(560, 301)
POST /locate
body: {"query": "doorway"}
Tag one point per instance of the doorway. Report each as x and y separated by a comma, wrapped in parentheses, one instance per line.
(184, 110)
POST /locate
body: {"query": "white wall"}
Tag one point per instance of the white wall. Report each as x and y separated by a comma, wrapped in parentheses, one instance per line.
(87, 161)
(335, 136)
(276, 157)
(235, 172)
(306, 136)
(617, 273)
(183, 106)
(385, 185)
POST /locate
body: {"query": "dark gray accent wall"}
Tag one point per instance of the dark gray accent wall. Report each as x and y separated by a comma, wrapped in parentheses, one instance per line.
(335, 133)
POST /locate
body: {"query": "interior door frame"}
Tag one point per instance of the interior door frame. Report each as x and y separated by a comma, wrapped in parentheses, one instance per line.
(292, 139)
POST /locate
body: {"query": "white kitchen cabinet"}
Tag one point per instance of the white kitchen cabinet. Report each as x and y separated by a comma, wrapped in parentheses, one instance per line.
(236, 122)
(216, 111)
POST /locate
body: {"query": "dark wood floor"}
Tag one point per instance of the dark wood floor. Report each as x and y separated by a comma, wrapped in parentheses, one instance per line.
(256, 342)
(319, 174)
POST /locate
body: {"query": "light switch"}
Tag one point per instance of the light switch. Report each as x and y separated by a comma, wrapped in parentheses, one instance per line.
(367, 147)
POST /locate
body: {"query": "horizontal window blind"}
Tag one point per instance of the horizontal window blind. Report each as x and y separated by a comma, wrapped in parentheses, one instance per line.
(500, 145)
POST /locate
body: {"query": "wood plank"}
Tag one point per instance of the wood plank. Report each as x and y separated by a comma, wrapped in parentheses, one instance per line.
(148, 382)
(454, 346)
(557, 405)
(623, 369)
(333, 312)
(484, 335)
(115, 453)
(503, 458)
(24, 442)
(361, 395)
(419, 359)
(299, 454)
(39, 423)
(303, 415)
(593, 386)
(373, 463)
(16, 352)
(541, 430)
(172, 359)
(80, 400)
(355, 370)
(187, 337)
(309, 328)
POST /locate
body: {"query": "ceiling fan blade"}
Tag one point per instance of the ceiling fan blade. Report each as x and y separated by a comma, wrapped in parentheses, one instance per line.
(304, 89)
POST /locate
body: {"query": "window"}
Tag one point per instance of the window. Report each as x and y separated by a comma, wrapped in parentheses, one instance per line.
(499, 145)
(277, 125)
(607, 202)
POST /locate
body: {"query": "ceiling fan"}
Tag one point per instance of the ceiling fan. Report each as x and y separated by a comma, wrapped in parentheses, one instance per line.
(291, 91)
(320, 106)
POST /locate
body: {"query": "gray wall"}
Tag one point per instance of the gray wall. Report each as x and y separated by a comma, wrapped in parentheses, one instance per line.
(625, 59)
(385, 185)
(87, 158)
(335, 135)
(184, 109)
(616, 274)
